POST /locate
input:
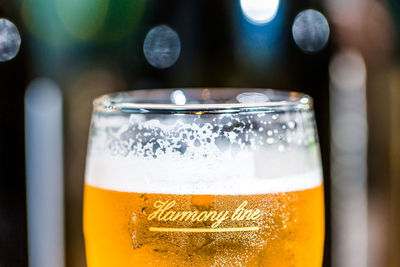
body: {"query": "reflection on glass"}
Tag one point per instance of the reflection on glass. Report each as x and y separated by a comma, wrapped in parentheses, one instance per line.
(178, 97)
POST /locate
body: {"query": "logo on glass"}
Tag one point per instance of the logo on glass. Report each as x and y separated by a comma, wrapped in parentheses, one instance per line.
(164, 213)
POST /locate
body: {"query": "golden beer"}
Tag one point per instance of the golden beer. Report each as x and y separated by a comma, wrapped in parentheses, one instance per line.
(121, 231)
(233, 182)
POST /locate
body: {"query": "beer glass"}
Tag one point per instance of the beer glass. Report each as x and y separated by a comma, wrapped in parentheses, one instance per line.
(203, 177)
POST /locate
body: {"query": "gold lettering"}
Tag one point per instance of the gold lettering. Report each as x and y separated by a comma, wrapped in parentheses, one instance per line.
(238, 212)
(161, 208)
(222, 216)
(168, 216)
(256, 214)
(194, 214)
(164, 213)
(184, 215)
(246, 214)
(241, 213)
(212, 214)
(202, 216)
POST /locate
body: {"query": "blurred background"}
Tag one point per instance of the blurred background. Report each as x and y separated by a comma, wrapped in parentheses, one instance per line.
(57, 55)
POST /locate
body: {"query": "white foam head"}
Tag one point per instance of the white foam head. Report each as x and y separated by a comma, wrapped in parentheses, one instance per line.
(151, 157)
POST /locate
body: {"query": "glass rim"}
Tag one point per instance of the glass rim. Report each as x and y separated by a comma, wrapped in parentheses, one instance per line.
(155, 100)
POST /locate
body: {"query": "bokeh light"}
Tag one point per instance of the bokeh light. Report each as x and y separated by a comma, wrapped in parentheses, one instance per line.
(10, 40)
(44, 172)
(162, 47)
(82, 19)
(42, 21)
(349, 151)
(259, 11)
(348, 70)
(60, 22)
(310, 31)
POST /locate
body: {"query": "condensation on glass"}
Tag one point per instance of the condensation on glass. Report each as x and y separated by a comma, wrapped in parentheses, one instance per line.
(203, 177)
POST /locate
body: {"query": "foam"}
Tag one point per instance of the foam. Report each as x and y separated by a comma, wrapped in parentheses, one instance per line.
(225, 154)
(246, 173)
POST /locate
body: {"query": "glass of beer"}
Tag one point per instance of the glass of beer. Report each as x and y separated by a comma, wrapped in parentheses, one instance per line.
(203, 177)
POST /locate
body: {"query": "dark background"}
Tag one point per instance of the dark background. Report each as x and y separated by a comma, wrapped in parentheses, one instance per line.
(219, 48)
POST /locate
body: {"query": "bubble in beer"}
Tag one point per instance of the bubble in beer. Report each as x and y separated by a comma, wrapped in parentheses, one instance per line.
(10, 40)
(310, 31)
(162, 47)
(291, 124)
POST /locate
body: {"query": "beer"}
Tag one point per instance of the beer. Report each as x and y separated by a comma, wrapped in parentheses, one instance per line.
(272, 222)
(191, 190)
(289, 231)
